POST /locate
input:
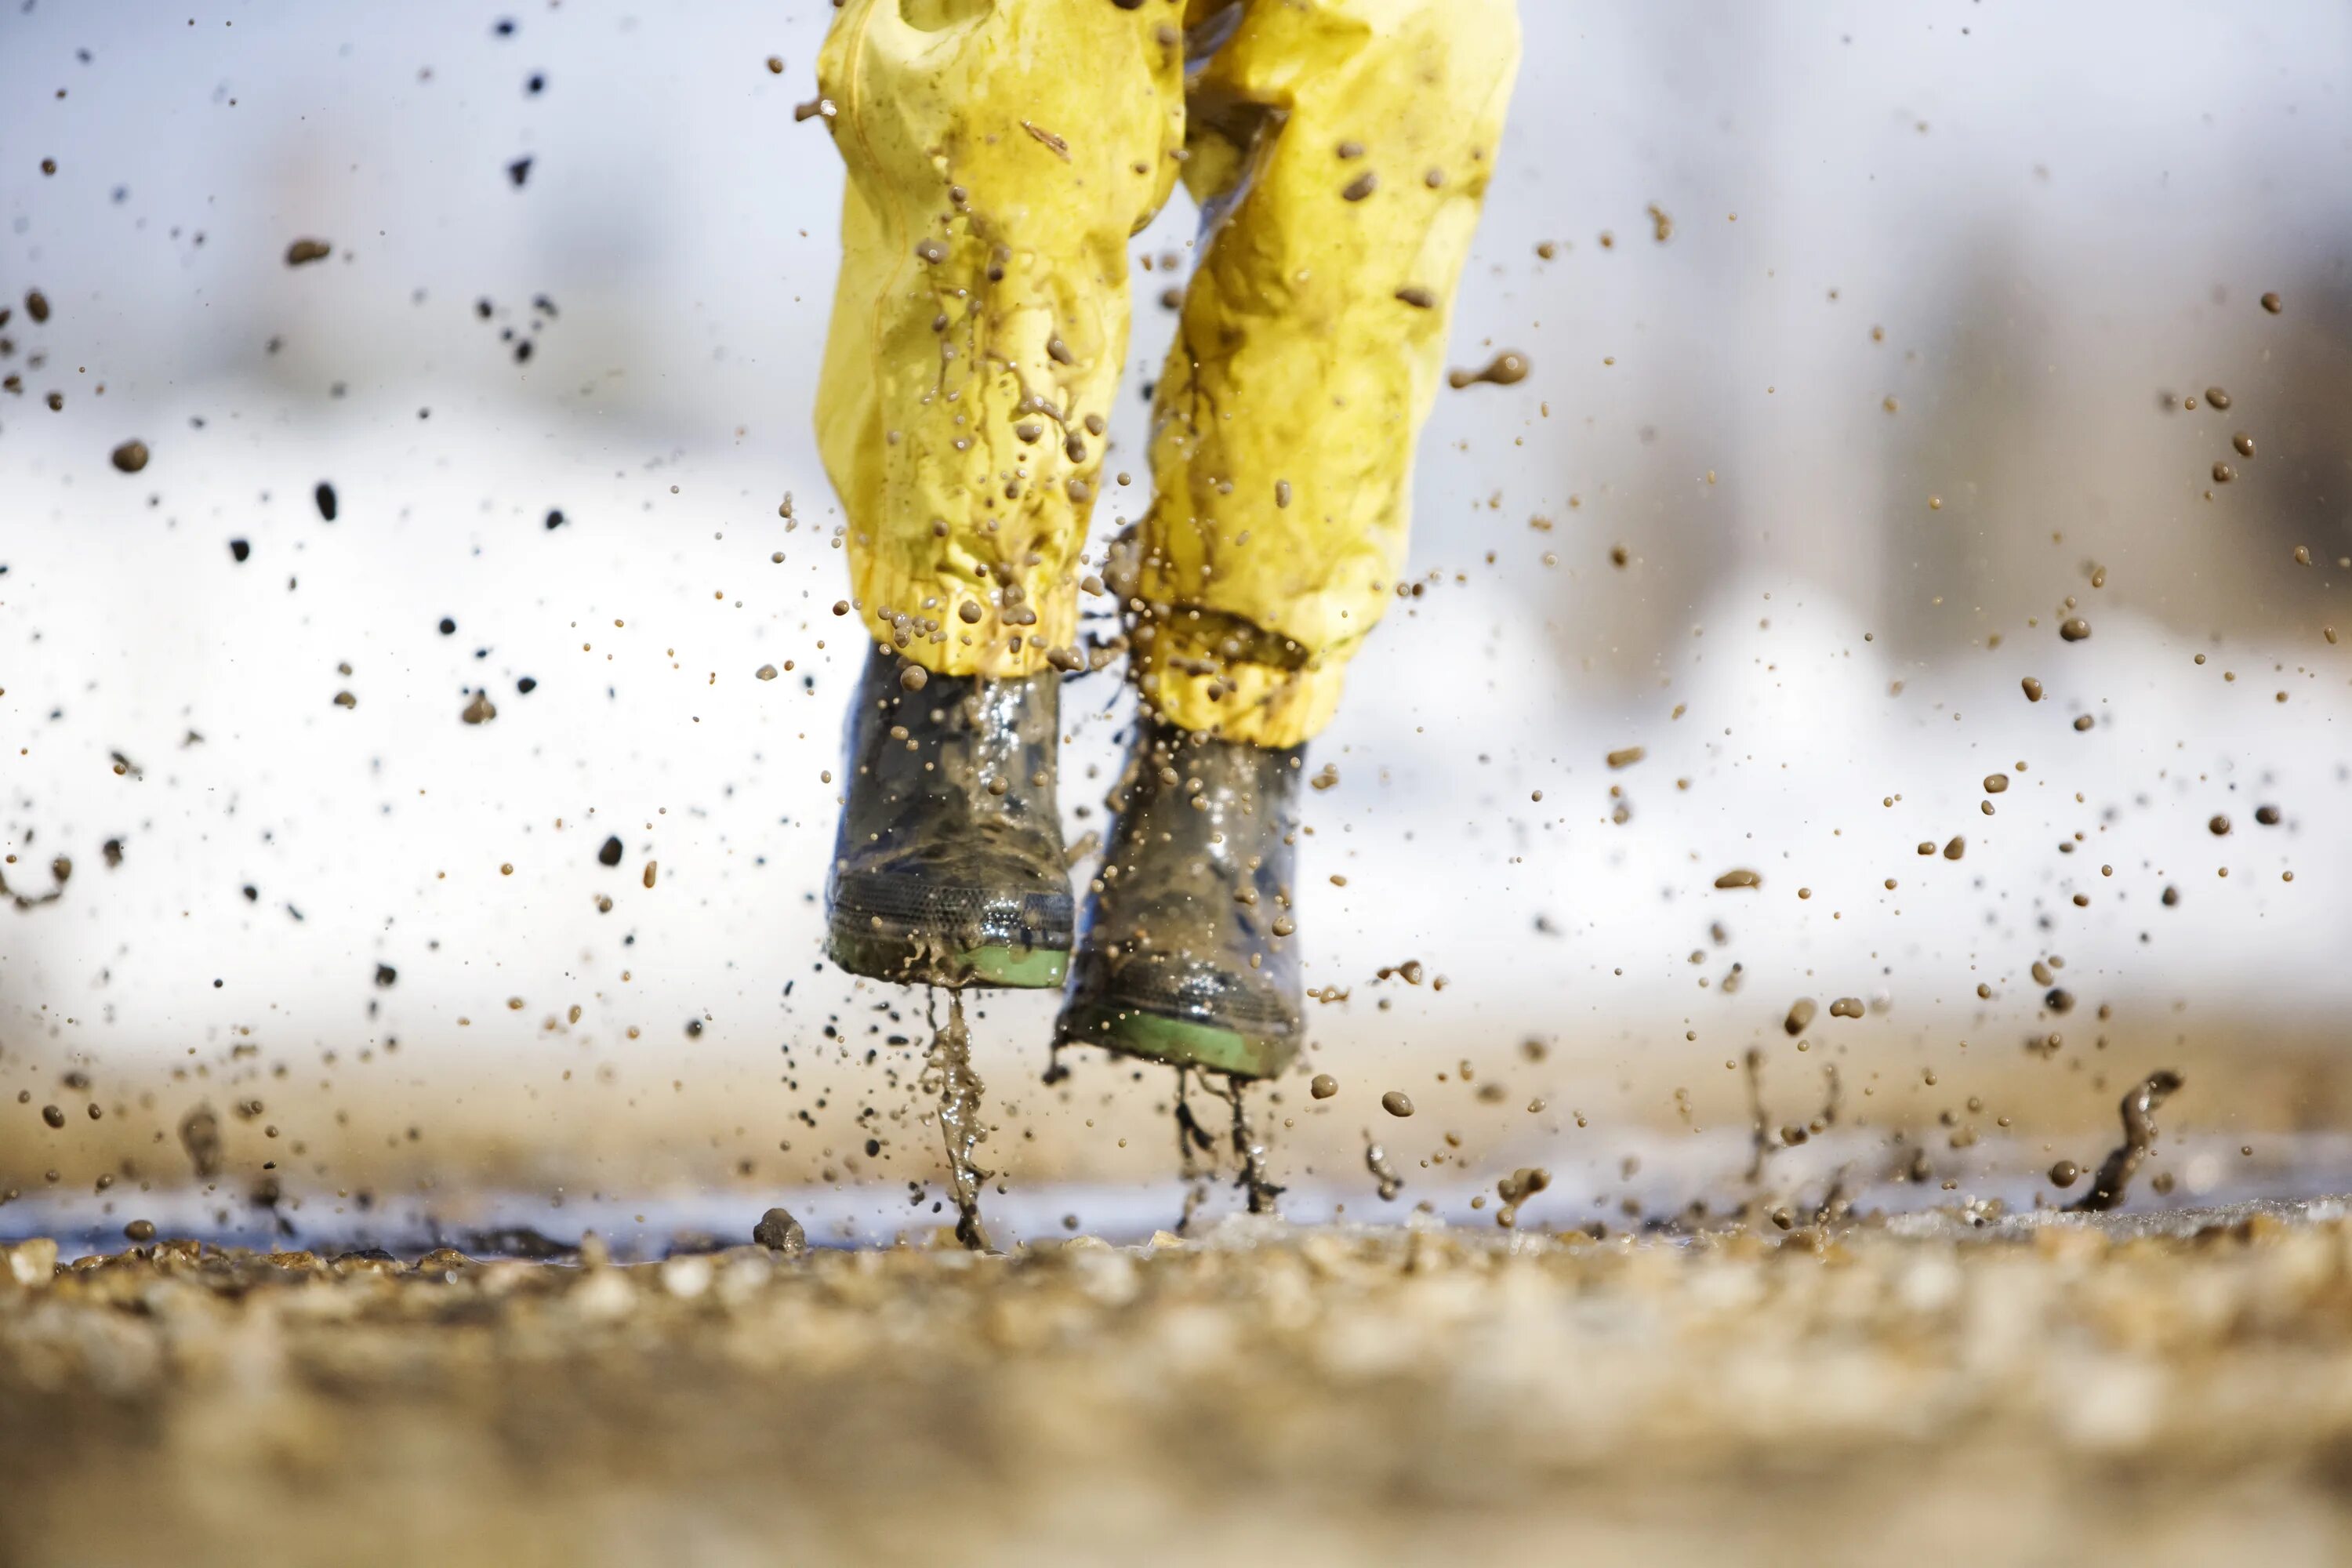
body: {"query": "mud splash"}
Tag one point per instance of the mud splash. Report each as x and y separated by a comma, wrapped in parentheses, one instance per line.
(948, 1077)
(2138, 1108)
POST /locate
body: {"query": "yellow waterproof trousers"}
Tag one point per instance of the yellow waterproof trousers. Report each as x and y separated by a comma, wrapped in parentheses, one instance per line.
(1001, 155)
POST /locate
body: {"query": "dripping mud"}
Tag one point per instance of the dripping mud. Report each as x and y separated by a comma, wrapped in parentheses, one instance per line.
(950, 1079)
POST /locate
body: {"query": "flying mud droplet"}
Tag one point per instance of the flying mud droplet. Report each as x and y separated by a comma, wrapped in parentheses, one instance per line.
(1741, 878)
(2031, 688)
(304, 251)
(325, 498)
(1800, 1016)
(1396, 1102)
(2273, 303)
(2065, 1174)
(130, 456)
(2244, 442)
(200, 1139)
(1324, 1086)
(610, 854)
(1376, 1161)
(2074, 629)
(2218, 826)
(1506, 369)
(1627, 757)
(480, 710)
(1516, 1189)
(2224, 473)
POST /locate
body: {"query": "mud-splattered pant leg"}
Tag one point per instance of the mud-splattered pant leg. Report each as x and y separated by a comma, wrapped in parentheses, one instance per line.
(1001, 153)
(1340, 149)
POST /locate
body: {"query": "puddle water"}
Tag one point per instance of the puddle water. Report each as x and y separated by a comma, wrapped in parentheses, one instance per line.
(1676, 1187)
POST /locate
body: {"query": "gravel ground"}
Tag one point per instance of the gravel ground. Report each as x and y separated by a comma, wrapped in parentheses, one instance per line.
(2034, 1388)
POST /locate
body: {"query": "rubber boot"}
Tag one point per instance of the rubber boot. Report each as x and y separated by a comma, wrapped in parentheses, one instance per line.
(948, 869)
(1188, 955)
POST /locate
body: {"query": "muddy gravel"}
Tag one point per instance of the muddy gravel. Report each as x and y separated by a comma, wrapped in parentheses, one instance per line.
(2151, 1389)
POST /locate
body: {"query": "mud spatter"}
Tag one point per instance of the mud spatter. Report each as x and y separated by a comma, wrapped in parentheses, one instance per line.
(2139, 1107)
(948, 1075)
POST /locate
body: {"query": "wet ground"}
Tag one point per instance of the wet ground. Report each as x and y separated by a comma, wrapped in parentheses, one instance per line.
(1937, 1384)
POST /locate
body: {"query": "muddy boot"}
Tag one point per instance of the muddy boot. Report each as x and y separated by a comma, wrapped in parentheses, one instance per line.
(948, 869)
(1189, 956)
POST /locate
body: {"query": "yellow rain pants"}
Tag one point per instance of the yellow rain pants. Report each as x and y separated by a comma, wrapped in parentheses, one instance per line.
(1001, 155)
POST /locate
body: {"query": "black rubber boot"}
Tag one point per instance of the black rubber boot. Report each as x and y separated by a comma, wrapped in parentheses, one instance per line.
(948, 869)
(1188, 956)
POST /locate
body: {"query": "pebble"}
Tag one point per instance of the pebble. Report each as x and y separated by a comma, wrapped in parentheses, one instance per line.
(779, 1232)
(33, 1262)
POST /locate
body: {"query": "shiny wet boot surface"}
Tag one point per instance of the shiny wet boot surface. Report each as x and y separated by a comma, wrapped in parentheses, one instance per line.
(949, 868)
(1189, 954)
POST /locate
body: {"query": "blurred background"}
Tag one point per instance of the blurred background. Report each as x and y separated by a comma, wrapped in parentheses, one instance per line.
(1869, 347)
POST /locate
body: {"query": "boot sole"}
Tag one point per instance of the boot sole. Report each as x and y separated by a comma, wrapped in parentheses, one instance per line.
(1179, 1042)
(905, 960)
